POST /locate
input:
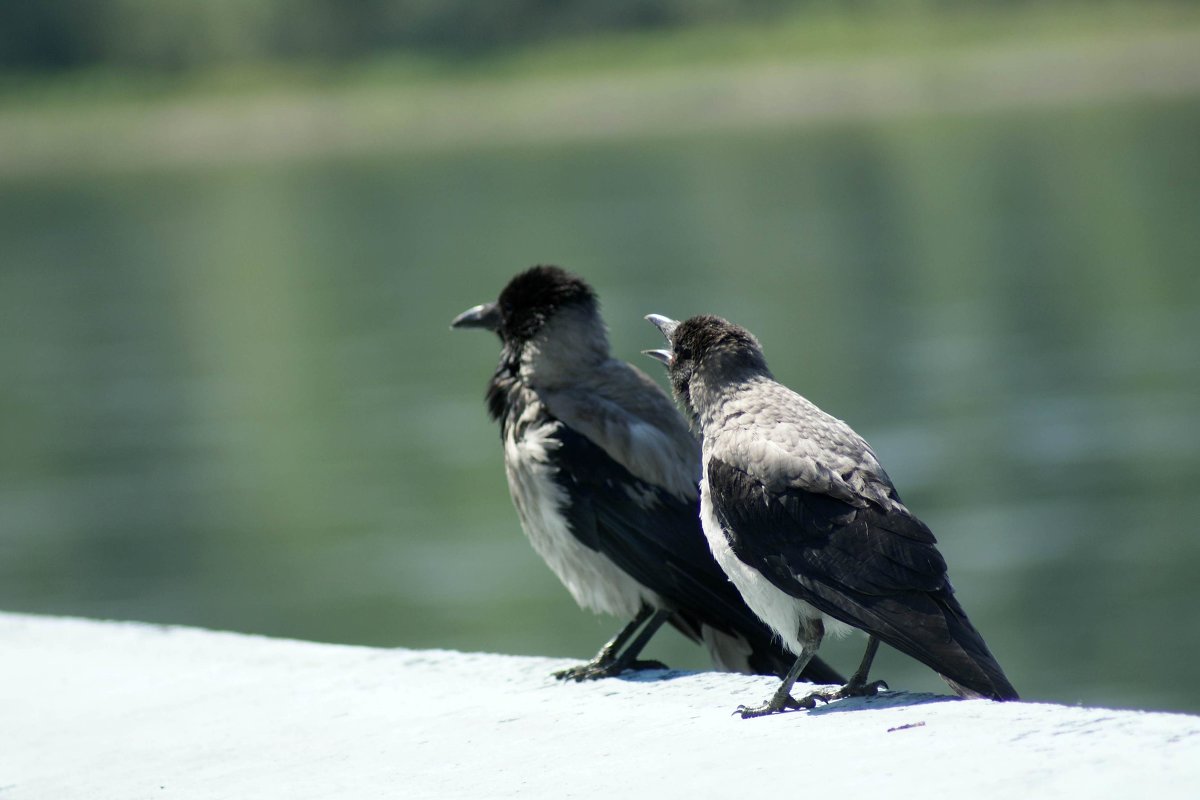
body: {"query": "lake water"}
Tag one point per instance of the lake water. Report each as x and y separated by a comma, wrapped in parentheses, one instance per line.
(230, 397)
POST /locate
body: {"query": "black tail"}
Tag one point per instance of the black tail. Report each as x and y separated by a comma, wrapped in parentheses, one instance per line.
(976, 672)
(939, 635)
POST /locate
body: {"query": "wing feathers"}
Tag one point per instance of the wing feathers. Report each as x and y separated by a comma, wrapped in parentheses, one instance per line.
(875, 568)
(656, 538)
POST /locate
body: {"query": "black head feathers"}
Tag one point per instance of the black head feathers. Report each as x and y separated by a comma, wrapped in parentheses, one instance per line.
(697, 338)
(536, 294)
(709, 346)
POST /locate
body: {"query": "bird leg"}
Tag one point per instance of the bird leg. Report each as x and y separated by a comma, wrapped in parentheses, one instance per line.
(610, 661)
(782, 699)
(811, 632)
(857, 686)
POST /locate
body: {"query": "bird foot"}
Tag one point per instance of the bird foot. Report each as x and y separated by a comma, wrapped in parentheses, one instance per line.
(597, 669)
(775, 705)
(849, 690)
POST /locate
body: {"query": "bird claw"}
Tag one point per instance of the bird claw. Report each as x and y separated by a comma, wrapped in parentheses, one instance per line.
(749, 712)
(596, 670)
(849, 690)
(590, 671)
(775, 705)
(862, 690)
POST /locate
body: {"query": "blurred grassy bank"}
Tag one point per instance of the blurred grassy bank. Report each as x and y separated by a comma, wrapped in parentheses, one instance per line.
(813, 67)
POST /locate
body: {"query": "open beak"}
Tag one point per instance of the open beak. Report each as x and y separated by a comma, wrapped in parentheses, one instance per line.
(484, 315)
(667, 326)
(664, 324)
(659, 355)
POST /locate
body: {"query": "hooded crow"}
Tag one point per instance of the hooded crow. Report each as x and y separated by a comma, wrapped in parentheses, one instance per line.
(604, 475)
(803, 519)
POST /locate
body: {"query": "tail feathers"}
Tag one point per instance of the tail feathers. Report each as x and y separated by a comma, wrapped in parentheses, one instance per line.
(970, 694)
(978, 674)
(732, 653)
(934, 629)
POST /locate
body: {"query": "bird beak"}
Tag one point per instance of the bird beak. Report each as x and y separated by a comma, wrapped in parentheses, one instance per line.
(665, 356)
(485, 315)
(664, 324)
(667, 326)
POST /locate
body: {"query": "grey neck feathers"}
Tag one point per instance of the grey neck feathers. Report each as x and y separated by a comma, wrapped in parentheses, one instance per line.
(572, 344)
(721, 381)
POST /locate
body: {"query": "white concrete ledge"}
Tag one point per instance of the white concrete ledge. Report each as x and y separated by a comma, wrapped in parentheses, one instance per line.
(119, 710)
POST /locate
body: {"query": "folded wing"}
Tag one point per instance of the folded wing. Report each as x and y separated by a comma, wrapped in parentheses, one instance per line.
(656, 538)
(874, 567)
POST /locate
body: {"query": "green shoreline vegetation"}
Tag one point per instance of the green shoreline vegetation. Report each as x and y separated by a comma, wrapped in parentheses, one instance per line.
(908, 29)
(605, 85)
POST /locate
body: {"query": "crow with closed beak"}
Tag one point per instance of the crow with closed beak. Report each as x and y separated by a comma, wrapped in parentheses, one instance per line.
(604, 475)
(799, 513)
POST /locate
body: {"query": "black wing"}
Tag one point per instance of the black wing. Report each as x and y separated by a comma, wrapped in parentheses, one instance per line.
(656, 538)
(875, 569)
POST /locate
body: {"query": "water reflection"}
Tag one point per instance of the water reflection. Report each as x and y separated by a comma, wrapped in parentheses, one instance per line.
(232, 400)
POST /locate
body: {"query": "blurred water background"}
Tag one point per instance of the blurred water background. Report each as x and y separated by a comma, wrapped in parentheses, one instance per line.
(230, 397)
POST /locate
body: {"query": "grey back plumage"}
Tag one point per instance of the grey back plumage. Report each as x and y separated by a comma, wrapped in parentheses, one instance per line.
(628, 416)
(620, 408)
(785, 441)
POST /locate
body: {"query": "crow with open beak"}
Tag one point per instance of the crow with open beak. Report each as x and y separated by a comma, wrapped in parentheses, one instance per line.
(799, 513)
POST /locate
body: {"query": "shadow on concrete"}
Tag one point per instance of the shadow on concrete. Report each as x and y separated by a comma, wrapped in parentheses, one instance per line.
(654, 675)
(879, 701)
(882, 700)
